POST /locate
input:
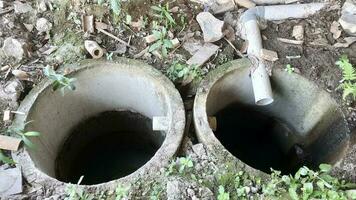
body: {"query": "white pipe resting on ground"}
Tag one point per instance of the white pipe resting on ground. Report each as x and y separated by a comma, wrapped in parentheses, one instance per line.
(249, 30)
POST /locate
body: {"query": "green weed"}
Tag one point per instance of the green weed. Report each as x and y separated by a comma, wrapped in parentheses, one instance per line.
(122, 192)
(156, 192)
(163, 14)
(115, 5)
(183, 73)
(163, 43)
(222, 194)
(5, 159)
(348, 84)
(20, 131)
(75, 193)
(59, 81)
(289, 69)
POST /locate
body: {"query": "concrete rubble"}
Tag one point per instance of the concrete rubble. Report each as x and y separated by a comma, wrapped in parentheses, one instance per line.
(13, 48)
(212, 27)
(348, 17)
(203, 54)
(10, 182)
(21, 8)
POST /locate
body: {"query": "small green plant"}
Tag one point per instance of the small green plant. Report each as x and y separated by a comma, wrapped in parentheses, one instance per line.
(289, 69)
(222, 194)
(307, 184)
(59, 81)
(163, 13)
(109, 56)
(156, 192)
(185, 163)
(122, 192)
(163, 43)
(183, 73)
(73, 192)
(5, 159)
(115, 5)
(348, 84)
(20, 131)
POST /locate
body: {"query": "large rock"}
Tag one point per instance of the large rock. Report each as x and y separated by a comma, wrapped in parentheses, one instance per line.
(13, 48)
(212, 28)
(348, 17)
(21, 8)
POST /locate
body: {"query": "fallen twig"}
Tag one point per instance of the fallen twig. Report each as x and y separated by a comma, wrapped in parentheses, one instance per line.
(114, 37)
(289, 41)
(232, 45)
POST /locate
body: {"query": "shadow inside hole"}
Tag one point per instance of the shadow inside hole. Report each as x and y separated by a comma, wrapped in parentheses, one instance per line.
(258, 140)
(106, 147)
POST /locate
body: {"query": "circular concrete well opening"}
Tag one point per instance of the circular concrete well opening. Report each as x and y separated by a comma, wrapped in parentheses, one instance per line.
(302, 127)
(104, 129)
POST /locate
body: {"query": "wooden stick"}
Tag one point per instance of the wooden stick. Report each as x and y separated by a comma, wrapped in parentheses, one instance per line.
(9, 143)
(114, 37)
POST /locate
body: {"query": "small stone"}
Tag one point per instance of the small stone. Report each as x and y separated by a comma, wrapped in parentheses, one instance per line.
(150, 38)
(174, 191)
(269, 55)
(11, 92)
(29, 27)
(348, 17)
(1, 4)
(120, 48)
(21, 8)
(10, 182)
(199, 150)
(347, 43)
(4, 68)
(20, 74)
(13, 48)
(42, 6)
(298, 32)
(212, 27)
(7, 116)
(222, 6)
(203, 54)
(334, 29)
(43, 25)
(175, 42)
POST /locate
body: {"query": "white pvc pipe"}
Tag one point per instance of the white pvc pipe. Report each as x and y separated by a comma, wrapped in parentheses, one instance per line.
(251, 32)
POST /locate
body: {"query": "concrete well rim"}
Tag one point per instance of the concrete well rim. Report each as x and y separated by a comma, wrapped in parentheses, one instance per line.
(164, 153)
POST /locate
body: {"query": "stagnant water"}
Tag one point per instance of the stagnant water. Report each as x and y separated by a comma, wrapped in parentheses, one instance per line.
(105, 147)
(258, 139)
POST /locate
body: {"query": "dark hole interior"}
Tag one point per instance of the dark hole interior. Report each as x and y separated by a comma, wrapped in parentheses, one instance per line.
(257, 139)
(96, 52)
(108, 146)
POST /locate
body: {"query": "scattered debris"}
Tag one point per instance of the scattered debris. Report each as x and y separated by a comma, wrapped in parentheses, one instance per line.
(212, 27)
(101, 25)
(150, 38)
(94, 49)
(192, 45)
(293, 57)
(203, 54)
(229, 33)
(347, 43)
(114, 37)
(232, 45)
(10, 182)
(10, 91)
(9, 143)
(21, 75)
(7, 116)
(298, 32)
(29, 27)
(88, 23)
(245, 3)
(269, 55)
(289, 41)
(5, 68)
(222, 6)
(43, 25)
(175, 43)
(334, 29)
(13, 48)
(21, 8)
(42, 6)
(348, 17)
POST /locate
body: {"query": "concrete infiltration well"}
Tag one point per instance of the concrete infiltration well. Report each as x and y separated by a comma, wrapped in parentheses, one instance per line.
(103, 129)
(303, 126)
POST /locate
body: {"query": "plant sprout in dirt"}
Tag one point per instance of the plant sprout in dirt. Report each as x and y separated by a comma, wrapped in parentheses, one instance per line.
(115, 5)
(73, 192)
(59, 81)
(19, 131)
(163, 43)
(5, 159)
(163, 13)
(348, 83)
(122, 192)
(289, 69)
(183, 73)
